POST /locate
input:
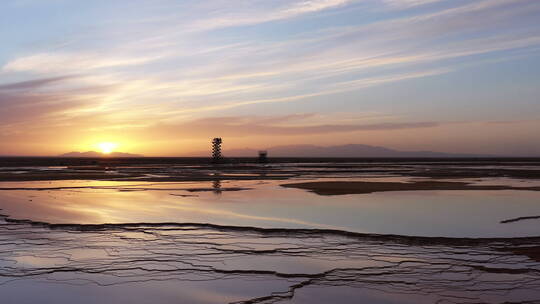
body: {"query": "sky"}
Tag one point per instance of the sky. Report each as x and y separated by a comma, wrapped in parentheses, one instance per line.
(163, 77)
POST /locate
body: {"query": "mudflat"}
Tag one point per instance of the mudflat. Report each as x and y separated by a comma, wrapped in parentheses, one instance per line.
(359, 187)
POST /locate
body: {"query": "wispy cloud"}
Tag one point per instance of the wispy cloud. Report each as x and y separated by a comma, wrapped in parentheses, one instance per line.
(71, 62)
(31, 84)
(257, 12)
(408, 3)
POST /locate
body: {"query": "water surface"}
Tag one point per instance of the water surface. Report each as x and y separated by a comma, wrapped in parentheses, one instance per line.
(266, 204)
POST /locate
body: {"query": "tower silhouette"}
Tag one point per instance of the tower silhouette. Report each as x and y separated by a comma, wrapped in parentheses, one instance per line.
(216, 150)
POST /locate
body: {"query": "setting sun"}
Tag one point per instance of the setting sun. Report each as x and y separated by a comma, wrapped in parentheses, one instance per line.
(107, 147)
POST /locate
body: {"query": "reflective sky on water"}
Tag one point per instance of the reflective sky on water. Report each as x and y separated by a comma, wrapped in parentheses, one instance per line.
(266, 204)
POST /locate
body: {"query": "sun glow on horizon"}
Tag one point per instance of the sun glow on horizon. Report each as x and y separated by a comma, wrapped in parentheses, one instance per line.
(107, 147)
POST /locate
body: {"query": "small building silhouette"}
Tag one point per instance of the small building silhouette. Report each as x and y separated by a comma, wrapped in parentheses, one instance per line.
(263, 156)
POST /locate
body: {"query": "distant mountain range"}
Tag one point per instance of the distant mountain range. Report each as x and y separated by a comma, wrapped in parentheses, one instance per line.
(351, 150)
(98, 154)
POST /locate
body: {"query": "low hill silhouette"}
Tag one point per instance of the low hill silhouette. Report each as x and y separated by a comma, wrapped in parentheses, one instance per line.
(98, 154)
(350, 150)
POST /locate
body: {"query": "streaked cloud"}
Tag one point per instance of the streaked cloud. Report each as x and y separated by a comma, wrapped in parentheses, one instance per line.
(70, 62)
(257, 12)
(31, 84)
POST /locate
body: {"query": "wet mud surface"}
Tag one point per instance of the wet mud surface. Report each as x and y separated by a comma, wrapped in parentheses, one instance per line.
(291, 265)
(347, 187)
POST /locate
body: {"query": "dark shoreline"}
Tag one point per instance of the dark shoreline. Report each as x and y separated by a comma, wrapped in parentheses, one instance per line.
(15, 161)
(176, 169)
